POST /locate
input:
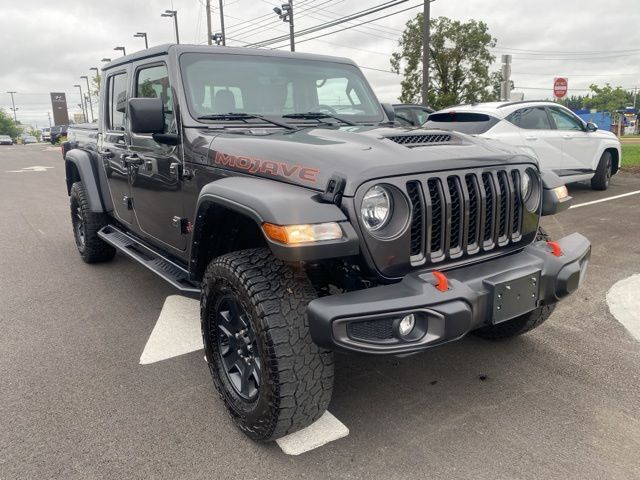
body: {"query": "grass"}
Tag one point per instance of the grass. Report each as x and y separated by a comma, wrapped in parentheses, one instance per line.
(631, 155)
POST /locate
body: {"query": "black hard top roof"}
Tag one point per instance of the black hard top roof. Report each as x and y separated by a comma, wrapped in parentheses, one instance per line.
(183, 48)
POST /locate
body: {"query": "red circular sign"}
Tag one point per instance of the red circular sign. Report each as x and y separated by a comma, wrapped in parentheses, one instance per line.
(560, 87)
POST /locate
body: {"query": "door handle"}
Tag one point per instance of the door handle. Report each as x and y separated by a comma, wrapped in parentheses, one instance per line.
(531, 138)
(567, 137)
(175, 170)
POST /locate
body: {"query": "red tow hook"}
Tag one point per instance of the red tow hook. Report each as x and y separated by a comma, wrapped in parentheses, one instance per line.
(555, 248)
(443, 283)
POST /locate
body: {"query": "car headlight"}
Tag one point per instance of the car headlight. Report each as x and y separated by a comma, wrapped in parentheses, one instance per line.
(530, 190)
(376, 208)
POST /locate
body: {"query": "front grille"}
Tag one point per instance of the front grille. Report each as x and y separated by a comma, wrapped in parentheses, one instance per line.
(457, 214)
(371, 330)
(422, 139)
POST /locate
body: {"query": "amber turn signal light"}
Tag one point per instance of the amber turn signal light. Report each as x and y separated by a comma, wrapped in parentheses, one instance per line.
(307, 233)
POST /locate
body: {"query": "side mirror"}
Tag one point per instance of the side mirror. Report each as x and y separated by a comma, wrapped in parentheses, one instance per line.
(591, 127)
(146, 115)
(389, 111)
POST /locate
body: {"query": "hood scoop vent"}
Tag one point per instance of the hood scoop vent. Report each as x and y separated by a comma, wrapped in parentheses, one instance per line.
(420, 140)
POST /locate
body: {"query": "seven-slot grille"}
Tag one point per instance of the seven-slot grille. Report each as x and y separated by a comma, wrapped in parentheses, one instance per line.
(464, 213)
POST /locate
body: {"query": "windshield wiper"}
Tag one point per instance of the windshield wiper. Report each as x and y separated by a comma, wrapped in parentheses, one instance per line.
(318, 116)
(245, 117)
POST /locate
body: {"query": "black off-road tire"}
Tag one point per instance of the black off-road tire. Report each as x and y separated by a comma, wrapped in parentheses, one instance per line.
(296, 376)
(600, 181)
(86, 225)
(523, 323)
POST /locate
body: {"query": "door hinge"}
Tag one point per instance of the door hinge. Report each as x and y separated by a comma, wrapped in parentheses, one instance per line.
(183, 224)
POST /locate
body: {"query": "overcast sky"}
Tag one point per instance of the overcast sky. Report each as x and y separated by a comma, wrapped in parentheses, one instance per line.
(46, 45)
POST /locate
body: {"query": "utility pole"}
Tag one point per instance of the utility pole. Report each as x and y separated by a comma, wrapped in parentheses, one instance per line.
(208, 10)
(293, 45)
(13, 105)
(143, 35)
(505, 87)
(49, 117)
(224, 35)
(426, 40)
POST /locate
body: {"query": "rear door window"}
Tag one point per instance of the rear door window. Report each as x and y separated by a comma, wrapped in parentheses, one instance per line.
(465, 122)
(117, 98)
(531, 118)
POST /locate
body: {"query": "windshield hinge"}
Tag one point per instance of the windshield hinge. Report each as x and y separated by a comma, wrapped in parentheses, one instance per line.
(334, 190)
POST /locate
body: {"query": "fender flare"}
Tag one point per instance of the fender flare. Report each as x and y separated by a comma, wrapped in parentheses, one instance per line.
(550, 202)
(278, 203)
(84, 165)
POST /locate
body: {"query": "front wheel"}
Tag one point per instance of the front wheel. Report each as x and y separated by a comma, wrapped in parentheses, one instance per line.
(600, 181)
(270, 375)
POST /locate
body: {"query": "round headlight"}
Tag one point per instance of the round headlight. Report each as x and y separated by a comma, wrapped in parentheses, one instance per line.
(525, 186)
(530, 190)
(376, 208)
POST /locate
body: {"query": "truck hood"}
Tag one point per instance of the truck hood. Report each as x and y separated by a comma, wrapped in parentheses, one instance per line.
(311, 156)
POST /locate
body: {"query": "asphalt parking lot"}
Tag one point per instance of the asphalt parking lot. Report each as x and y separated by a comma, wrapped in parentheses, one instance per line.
(75, 402)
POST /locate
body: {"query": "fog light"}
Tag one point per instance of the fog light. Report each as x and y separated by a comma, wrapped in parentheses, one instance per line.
(405, 327)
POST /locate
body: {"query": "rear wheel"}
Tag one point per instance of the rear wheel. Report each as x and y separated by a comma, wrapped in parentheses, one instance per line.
(86, 225)
(270, 375)
(523, 323)
(600, 181)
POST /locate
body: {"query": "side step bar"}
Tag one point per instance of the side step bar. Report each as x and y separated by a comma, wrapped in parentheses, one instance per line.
(154, 261)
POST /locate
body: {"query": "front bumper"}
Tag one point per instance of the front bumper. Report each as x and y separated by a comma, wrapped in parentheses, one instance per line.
(365, 321)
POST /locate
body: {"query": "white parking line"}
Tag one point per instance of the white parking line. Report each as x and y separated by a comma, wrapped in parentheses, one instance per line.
(605, 199)
(624, 303)
(324, 430)
(177, 330)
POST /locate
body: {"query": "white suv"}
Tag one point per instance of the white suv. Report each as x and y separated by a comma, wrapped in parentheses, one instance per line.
(561, 141)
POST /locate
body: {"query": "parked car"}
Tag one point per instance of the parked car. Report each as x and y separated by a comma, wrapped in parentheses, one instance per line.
(408, 114)
(46, 134)
(57, 132)
(275, 187)
(6, 140)
(29, 139)
(561, 141)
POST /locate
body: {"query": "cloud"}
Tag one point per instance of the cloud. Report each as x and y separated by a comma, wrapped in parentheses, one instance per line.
(48, 45)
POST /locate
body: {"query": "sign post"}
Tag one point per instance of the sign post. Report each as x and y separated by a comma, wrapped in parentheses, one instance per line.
(560, 87)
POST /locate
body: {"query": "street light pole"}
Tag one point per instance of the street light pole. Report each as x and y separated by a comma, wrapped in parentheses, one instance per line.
(13, 105)
(143, 35)
(174, 14)
(84, 113)
(49, 117)
(286, 15)
(124, 51)
(106, 60)
(89, 95)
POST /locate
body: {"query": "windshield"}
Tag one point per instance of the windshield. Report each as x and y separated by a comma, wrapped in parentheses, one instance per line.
(274, 86)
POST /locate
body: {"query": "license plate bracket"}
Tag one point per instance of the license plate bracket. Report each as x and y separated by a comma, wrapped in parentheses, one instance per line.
(514, 294)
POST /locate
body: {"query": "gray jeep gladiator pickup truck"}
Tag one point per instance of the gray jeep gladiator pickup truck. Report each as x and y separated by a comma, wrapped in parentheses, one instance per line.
(278, 189)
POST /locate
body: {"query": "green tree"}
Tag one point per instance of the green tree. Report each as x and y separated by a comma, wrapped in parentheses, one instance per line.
(607, 98)
(7, 125)
(459, 62)
(574, 102)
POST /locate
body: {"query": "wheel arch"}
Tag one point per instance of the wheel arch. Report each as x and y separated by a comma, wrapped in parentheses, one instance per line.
(82, 165)
(615, 158)
(230, 213)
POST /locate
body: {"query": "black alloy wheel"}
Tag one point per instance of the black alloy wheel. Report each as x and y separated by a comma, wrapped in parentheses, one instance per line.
(238, 348)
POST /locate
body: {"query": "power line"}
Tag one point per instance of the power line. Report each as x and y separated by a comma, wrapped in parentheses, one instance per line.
(323, 26)
(558, 52)
(362, 23)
